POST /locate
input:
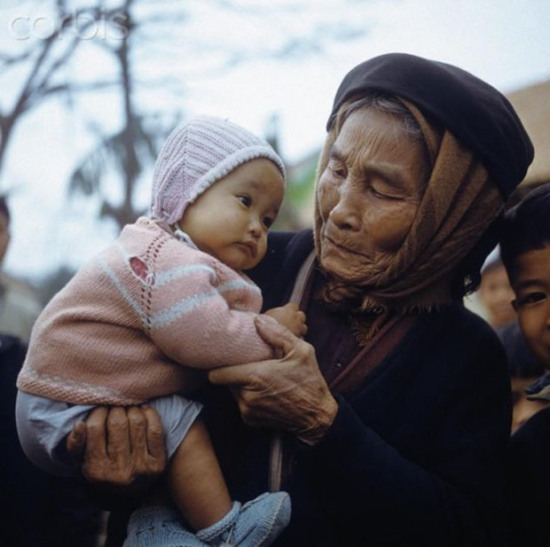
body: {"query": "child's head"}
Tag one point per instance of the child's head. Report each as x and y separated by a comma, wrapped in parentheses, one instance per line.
(221, 185)
(525, 251)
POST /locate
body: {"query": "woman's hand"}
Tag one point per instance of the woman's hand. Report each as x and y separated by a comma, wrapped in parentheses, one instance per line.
(291, 317)
(120, 448)
(288, 393)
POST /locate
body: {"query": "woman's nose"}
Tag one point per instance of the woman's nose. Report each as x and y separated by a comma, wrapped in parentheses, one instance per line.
(345, 214)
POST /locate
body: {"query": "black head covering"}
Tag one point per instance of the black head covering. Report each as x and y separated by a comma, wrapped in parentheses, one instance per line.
(475, 112)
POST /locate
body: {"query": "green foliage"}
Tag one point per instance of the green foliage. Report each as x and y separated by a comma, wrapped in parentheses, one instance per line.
(301, 184)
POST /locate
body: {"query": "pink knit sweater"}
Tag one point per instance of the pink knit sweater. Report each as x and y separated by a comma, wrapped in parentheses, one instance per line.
(120, 330)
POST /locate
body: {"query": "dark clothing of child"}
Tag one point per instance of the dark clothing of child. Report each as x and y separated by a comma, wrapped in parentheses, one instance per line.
(530, 481)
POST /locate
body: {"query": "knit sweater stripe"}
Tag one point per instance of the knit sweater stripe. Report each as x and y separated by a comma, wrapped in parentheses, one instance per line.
(180, 309)
(121, 289)
(238, 284)
(173, 274)
(188, 305)
(80, 390)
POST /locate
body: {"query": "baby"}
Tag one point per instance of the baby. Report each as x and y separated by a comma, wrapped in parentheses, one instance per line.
(167, 301)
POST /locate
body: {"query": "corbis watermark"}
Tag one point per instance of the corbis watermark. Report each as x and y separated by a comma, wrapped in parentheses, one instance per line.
(82, 25)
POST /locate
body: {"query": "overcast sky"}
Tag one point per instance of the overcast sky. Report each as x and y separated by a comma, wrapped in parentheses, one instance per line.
(506, 42)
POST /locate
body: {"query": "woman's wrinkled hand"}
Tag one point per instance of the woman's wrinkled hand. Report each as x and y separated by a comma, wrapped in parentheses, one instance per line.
(288, 393)
(291, 317)
(121, 449)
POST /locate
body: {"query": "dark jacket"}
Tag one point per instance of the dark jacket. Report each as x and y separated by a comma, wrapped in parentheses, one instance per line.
(530, 482)
(416, 455)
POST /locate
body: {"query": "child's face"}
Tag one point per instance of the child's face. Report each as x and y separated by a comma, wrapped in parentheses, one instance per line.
(231, 219)
(531, 284)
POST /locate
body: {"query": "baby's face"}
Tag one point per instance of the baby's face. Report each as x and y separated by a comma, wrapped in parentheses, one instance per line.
(231, 219)
(532, 287)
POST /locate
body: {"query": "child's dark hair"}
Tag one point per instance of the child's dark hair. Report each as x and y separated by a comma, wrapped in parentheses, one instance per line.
(525, 227)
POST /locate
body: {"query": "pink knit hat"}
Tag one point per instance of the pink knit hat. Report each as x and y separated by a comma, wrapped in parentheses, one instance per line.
(196, 155)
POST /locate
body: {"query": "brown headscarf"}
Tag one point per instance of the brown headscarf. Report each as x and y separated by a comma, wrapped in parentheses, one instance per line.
(458, 205)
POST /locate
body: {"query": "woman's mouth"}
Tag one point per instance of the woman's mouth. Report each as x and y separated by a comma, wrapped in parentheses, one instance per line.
(344, 248)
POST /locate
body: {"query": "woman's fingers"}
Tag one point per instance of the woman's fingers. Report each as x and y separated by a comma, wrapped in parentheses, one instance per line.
(260, 376)
(107, 447)
(116, 434)
(250, 374)
(276, 335)
(155, 434)
(96, 441)
(137, 430)
(120, 446)
(76, 441)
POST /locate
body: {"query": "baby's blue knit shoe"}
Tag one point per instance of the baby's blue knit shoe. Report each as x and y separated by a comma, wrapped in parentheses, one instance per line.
(156, 526)
(257, 523)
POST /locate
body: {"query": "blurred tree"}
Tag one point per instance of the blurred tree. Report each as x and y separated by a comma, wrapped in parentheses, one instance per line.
(38, 63)
(128, 151)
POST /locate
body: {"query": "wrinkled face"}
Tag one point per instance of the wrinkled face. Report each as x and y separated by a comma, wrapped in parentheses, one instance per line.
(496, 294)
(532, 287)
(4, 236)
(231, 219)
(369, 192)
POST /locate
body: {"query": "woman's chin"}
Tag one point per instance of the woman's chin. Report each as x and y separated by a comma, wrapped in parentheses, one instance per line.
(343, 270)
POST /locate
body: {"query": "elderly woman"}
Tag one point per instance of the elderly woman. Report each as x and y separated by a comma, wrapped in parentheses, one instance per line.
(395, 410)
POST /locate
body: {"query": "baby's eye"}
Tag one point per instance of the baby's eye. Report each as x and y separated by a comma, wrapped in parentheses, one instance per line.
(245, 200)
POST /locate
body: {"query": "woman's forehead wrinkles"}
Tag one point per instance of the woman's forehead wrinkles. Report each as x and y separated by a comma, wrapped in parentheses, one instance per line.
(362, 153)
(336, 153)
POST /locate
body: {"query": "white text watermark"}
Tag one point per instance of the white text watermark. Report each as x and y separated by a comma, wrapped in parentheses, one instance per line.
(80, 25)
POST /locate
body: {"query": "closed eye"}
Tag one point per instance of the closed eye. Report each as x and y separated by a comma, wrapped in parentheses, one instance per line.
(337, 168)
(384, 195)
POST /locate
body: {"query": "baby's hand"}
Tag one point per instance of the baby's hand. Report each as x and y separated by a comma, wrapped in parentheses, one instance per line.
(291, 317)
